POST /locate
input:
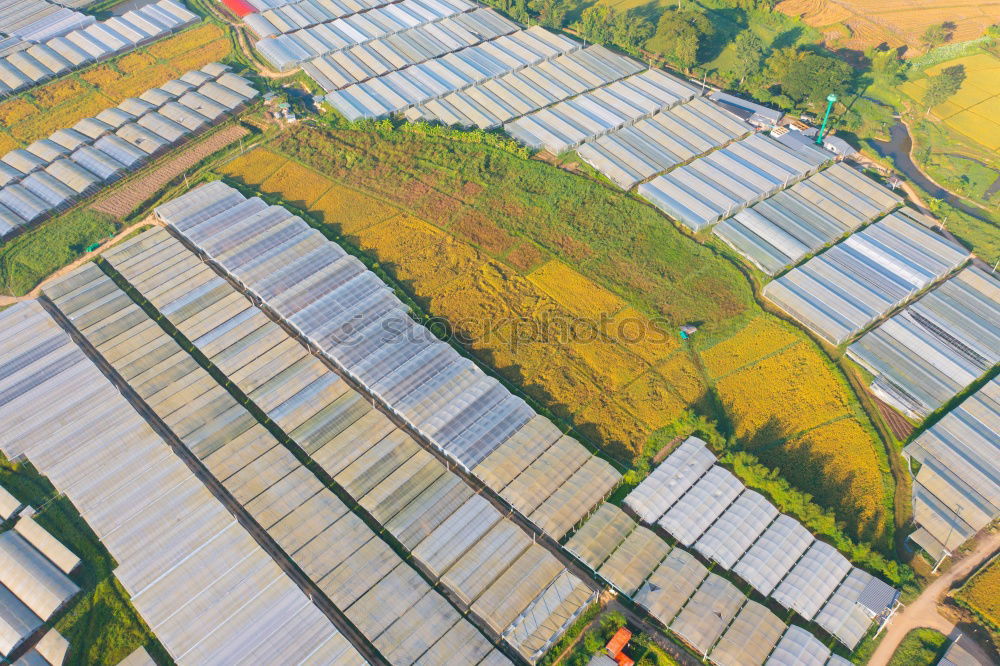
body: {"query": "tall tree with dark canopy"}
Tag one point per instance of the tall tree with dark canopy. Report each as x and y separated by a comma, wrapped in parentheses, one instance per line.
(944, 85)
(679, 35)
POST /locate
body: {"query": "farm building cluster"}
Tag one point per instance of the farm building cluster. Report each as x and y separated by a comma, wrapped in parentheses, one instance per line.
(40, 40)
(50, 174)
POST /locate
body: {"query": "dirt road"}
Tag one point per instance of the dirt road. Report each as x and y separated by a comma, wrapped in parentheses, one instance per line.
(923, 611)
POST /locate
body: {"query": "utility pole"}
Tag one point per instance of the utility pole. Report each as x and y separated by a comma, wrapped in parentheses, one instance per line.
(830, 99)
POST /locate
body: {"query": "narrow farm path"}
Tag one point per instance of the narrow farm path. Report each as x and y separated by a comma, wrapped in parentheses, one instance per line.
(923, 611)
(84, 258)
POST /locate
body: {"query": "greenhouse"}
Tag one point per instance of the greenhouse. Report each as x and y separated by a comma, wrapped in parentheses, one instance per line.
(497, 101)
(31, 577)
(427, 509)
(70, 40)
(838, 293)
(812, 580)
(928, 353)
(290, 16)
(957, 490)
(603, 532)
(634, 560)
(17, 622)
(720, 184)
(737, 529)
(287, 51)
(412, 86)
(850, 610)
(114, 468)
(567, 124)
(75, 162)
(446, 398)
(653, 145)
(699, 507)
(784, 228)
(670, 480)
(798, 648)
(358, 63)
(774, 554)
(707, 614)
(670, 585)
(516, 453)
(749, 639)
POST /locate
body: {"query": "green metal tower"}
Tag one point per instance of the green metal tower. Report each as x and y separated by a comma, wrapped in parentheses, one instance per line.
(830, 99)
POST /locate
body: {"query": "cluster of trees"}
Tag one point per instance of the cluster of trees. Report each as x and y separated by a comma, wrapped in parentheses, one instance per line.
(943, 85)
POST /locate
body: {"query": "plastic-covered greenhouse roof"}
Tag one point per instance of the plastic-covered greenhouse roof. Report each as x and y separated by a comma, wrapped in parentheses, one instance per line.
(737, 529)
(844, 616)
(925, 355)
(812, 580)
(749, 639)
(958, 457)
(707, 614)
(603, 532)
(798, 648)
(634, 560)
(344, 67)
(774, 554)
(497, 101)
(653, 145)
(841, 291)
(698, 508)
(31, 577)
(793, 223)
(46, 544)
(424, 506)
(670, 585)
(445, 398)
(17, 622)
(670, 480)
(114, 469)
(510, 458)
(723, 182)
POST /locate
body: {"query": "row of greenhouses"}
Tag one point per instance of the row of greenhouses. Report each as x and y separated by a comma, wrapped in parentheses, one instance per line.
(451, 531)
(844, 289)
(784, 228)
(929, 352)
(287, 51)
(703, 609)
(358, 63)
(956, 491)
(70, 40)
(50, 174)
(208, 591)
(704, 506)
(402, 89)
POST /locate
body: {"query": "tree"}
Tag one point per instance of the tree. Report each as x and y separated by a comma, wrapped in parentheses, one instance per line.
(936, 35)
(551, 13)
(812, 77)
(679, 35)
(887, 66)
(629, 30)
(749, 50)
(944, 85)
(595, 23)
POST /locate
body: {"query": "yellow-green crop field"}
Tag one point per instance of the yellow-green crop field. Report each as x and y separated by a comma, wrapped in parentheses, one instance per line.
(585, 353)
(974, 111)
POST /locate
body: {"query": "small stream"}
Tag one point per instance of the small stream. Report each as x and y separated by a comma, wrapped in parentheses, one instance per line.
(898, 148)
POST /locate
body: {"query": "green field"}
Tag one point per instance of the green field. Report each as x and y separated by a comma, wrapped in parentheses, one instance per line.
(40, 251)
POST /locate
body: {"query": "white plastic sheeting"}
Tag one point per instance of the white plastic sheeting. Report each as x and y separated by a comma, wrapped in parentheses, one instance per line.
(838, 293)
(670, 480)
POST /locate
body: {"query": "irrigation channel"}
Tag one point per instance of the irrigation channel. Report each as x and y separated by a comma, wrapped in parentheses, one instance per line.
(898, 148)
